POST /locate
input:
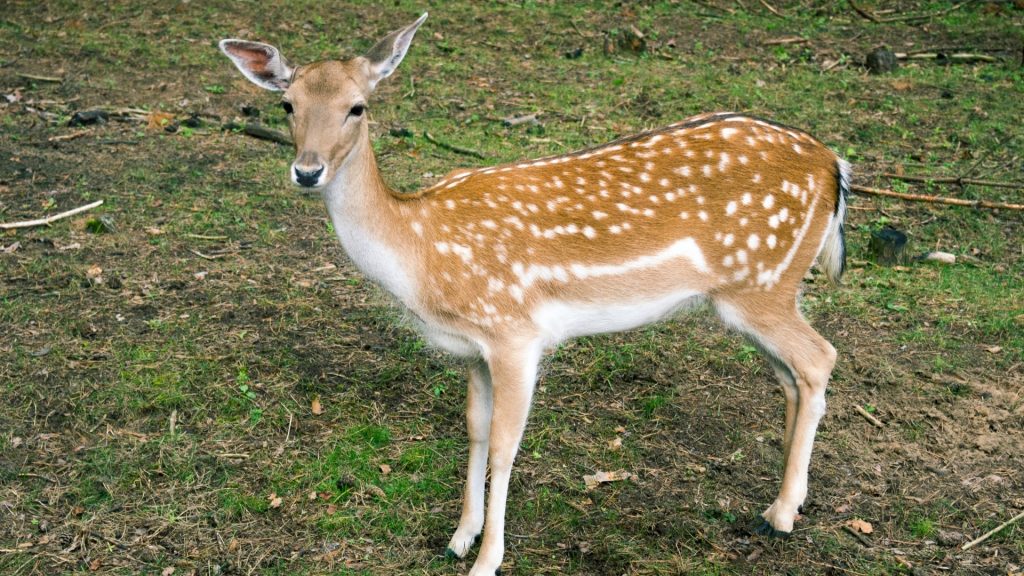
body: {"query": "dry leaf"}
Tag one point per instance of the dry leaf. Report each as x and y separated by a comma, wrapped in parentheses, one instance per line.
(275, 500)
(620, 429)
(154, 231)
(95, 565)
(332, 508)
(860, 526)
(93, 272)
(615, 443)
(842, 508)
(385, 469)
(994, 349)
(167, 571)
(233, 545)
(316, 407)
(594, 480)
(157, 120)
(312, 495)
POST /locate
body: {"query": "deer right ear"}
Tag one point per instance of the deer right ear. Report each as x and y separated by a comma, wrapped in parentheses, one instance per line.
(261, 63)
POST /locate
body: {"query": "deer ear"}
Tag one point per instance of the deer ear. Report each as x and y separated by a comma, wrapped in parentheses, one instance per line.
(261, 63)
(387, 54)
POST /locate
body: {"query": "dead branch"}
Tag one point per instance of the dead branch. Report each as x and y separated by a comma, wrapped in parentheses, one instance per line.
(874, 17)
(958, 57)
(49, 219)
(71, 136)
(264, 133)
(858, 536)
(936, 199)
(452, 147)
(39, 78)
(991, 532)
(867, 416)
(785, 40)
(959, 181)
(771, 8)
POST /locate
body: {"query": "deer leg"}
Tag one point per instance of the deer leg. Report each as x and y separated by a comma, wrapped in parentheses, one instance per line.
(479, 403)
(804, 363)
(514, 377)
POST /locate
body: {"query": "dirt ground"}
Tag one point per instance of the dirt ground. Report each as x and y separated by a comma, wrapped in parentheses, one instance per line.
(195, 380)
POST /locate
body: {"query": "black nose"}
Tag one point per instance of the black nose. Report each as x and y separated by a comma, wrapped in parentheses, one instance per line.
(308, 178)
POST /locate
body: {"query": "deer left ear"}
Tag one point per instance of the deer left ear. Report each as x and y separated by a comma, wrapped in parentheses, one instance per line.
(387, 54)
(261, 63)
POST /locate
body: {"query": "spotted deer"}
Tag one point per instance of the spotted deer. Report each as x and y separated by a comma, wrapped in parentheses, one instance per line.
(498, 264)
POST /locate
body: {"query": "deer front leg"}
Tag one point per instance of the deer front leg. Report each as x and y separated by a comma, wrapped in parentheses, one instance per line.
(479, 403)
(513, 379)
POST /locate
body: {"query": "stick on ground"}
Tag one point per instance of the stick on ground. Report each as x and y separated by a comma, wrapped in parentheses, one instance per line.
(49, 219)
(867, 416)
(991, 532)
(453, 148)
(936, 199)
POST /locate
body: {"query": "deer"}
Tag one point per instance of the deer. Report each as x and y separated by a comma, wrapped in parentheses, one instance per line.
(497, 265)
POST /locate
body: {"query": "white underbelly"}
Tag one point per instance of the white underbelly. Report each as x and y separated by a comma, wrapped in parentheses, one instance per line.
(559, 321)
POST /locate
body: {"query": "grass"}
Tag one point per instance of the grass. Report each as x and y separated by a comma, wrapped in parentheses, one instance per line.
(151, 420)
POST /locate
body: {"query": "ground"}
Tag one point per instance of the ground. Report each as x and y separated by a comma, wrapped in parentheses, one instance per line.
(194, 380)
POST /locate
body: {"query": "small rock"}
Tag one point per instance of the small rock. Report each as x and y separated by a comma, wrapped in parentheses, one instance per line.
(950, 538)
(88, 117)
(574, 54)
(881, 60)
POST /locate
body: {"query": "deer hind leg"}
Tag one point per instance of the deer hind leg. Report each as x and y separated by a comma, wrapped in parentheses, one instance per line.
(803, 362)
(514, 376)
(479, 405)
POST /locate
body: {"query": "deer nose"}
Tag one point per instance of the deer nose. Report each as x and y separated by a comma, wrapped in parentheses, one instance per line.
(308, 176)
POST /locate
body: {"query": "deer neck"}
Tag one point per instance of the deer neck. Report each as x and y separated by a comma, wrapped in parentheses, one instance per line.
(366, 219)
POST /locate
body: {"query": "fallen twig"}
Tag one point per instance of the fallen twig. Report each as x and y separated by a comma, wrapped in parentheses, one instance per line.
(867, 416)
(517, 120)
(39, 78)
(858, 536)
(452, 147)
(936, 199)
(71, 136)
(771, 8)
(959, 181)
(874, 18)
(204, 256)
(785, 40)
(991, 532)
(49, 219)
(961, 57)
(263, 133)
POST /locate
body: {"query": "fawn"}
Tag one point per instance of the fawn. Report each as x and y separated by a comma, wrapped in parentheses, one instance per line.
(498, 264)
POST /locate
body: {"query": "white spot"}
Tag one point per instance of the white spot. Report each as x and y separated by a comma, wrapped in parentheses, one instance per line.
(615, 229)
(703, 215)
(773, 221)
(771, 241)
(598, 215)
(417, 228)
(489, 224)
(684, 215)
(753, 241)
(798, 149)
(648, 212)
(706, 169)
(746, 199)
(728, 132)
(743, 159)
(645, 177)
(664, 182)
(741, 256)
(727, 261)
(589, 232)
(723, 162)
(783, 214)
(757, 178)
(768, 201)
(670, 196)
(731, 208)
(449, 204)
(728, 240)
(442, 247)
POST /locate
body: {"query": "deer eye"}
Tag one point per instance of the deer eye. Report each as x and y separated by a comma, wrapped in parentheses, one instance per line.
(357, 110)
(287, 107)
